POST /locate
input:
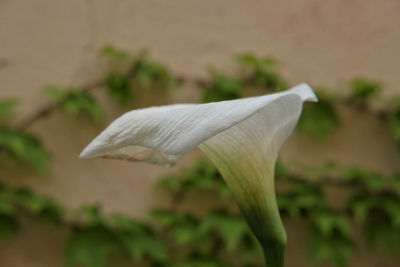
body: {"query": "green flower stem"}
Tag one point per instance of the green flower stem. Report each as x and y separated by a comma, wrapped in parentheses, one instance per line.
(274, 255)
(268, 228)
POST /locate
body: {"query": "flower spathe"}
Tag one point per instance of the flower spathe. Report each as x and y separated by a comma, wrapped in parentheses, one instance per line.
(241, 137)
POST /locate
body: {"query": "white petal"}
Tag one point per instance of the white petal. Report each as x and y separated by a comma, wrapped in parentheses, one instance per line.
(245, 155)
(161, 134)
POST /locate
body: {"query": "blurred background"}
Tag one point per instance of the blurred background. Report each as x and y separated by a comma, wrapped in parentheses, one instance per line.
(68, 68)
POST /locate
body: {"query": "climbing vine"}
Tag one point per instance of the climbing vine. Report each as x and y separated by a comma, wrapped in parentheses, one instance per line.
(173, 236)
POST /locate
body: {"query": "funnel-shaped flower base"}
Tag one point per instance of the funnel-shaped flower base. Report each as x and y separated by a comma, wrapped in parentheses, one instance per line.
(245, 155)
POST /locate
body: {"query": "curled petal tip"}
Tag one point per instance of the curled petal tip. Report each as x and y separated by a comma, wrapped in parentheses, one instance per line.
(305, 92)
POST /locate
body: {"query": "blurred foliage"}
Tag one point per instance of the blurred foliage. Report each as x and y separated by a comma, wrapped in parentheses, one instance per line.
(119, 88)
(330, 238)
(14, 202)
(232, 229)
(394, 119)
(142, 73)
(175, 236)
(75, 101)
(43, 207)
(198, 261)
(363, 90)
(381, 215)
(92, 239)
(6, 108)
(222, 87)
(370, 180)
(149, 73)
(182, 226)
(319, 119)
(92, 245)
(209, 235)
(8, 225)
(115, 53)
(23, 147)
(202, 176)
(301, 198)
(262, 71)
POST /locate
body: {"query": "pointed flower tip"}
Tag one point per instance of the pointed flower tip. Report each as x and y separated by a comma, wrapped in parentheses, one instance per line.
(88, 152)
(84, 154)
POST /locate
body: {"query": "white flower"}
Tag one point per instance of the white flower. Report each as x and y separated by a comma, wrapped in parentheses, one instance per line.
(241, 137)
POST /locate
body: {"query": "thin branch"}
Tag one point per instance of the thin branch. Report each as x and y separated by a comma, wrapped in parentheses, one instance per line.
(323, 180)
(47, 109)
(339, 182)
(41, 113)
(379, 114)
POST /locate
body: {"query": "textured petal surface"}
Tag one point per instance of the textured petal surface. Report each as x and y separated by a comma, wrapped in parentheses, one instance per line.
(161, 134)
(245, 155)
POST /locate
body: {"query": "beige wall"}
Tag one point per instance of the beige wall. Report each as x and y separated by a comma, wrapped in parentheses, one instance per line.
(320, 42)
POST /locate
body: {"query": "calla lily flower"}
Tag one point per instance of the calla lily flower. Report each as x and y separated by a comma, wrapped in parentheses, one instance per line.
(241, 137)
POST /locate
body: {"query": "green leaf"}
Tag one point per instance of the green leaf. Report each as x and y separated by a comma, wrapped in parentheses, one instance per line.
(394, 119)
(148, 73)
(360, 206)
(164, 217)
(327, 223)
(379, 230)
(118, 87)
(139, 239)
(381, 214)
(91, 247)
(335, 249)
(91, 213)
(262, 71)
(8, 225)
(313, 172)
(201, 261)
(6, 200)
(255, 62)
(222, 88)
(319, 119)
(185, 233)
(40, 206)
(231, 228)
(301, 197)
(201, 176)
(114, 53)
(395, 183)
(6, 107)
(54, 91)
(368, 179)
(23, 147)
(183, 226)
(363, 89)
(76, 101)
(330, 238)
(141, 246)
